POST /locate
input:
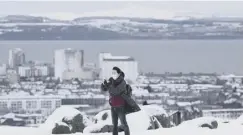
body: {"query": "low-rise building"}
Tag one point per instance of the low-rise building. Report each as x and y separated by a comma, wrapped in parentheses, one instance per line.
(12, 76)
(30, 104)
(210, 97)
(12, 119)
(226, 114)
(92, 100)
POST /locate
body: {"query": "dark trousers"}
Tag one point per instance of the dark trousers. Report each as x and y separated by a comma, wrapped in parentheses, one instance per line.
(119, 112)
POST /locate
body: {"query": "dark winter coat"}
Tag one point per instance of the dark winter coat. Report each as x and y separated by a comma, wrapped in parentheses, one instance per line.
(118, 87)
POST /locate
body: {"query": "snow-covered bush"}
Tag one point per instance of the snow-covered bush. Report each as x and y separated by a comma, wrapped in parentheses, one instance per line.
(77, 124)
(159, 113)
(71, 117)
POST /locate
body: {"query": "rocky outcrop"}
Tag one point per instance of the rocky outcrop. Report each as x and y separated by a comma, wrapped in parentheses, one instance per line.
(73, 125)
(212, 125)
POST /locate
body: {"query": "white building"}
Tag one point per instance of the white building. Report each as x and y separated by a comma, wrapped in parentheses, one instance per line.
(35, 71)
(3, 69)
(83, 74)
(68, 60)
(30, 104)
(16, 57)
(127, 64)
(90, 65)
(12, 76)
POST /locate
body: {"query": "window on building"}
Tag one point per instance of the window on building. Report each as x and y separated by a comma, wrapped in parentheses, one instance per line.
(31, 104)
(16, 105)
(58, 103)
(39, 73)
(3, 104)
(46, 104)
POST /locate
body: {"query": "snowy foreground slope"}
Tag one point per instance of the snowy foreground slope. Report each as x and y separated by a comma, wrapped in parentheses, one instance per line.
(137, 122)
(224, 130)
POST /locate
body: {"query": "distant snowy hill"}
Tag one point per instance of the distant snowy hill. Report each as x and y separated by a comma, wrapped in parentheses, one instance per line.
(25, 19)
(21, 27)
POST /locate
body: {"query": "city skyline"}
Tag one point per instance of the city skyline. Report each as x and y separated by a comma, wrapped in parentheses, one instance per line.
(68, 64)
(153, 56)
(16, 57)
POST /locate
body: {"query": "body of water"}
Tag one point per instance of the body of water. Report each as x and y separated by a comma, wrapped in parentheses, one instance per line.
(159, 56)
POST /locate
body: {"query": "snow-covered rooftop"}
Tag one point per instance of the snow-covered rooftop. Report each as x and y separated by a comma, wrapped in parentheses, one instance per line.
(230, 76)
(198, 86)
(223, 110)
(119, 59)
(109, 57)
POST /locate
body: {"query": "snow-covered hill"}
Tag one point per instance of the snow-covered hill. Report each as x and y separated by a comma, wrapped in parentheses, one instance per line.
(26, 19)
(138, 123)
(20, 27)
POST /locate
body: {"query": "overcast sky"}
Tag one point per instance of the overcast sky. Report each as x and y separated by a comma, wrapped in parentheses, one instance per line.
(73, 9)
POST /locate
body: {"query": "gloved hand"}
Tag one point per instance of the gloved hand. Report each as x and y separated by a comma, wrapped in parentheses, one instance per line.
(111, 80)
(105, 83)
(104, 87)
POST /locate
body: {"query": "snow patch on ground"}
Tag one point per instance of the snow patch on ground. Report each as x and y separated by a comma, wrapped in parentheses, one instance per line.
(238, 121)
(100, 117)
(224, 130)
(196, 123)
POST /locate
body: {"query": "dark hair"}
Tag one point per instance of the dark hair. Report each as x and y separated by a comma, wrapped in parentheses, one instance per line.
(118, 70)
(122, 74)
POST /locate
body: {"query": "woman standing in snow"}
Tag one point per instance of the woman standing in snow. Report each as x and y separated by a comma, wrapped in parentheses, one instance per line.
(121, 103)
